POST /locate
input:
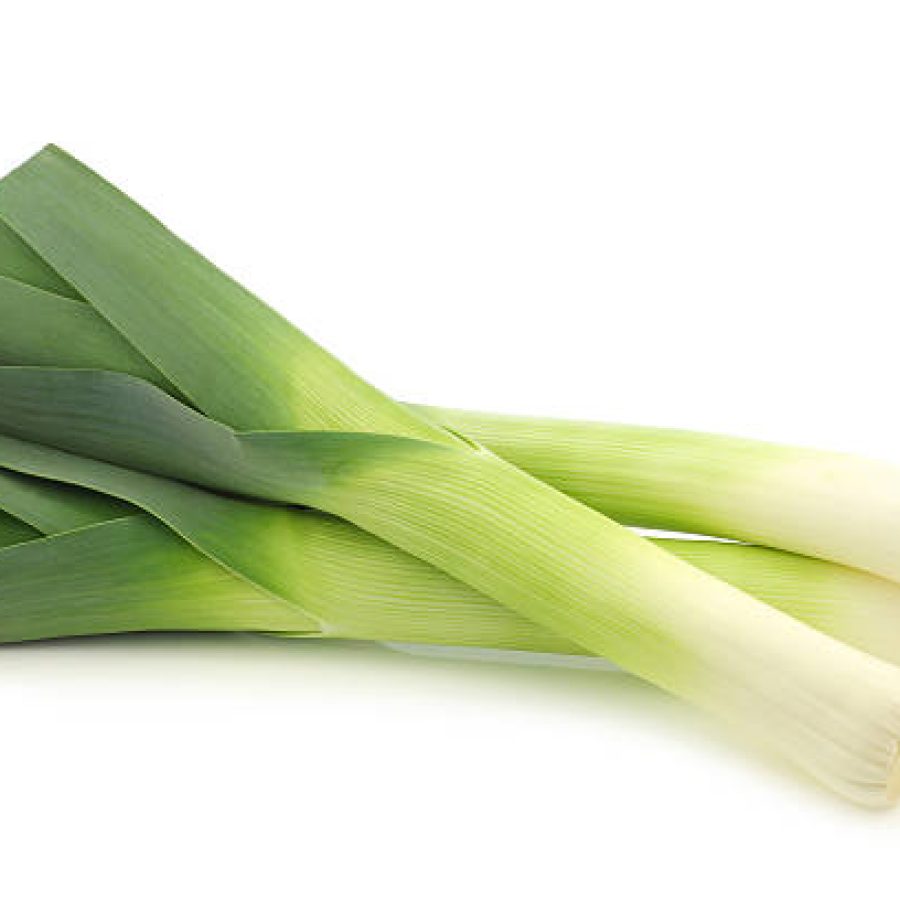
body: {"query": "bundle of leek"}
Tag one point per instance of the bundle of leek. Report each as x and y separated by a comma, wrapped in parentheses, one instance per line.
(174, 454)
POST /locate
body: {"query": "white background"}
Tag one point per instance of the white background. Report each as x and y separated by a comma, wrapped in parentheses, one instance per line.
(671, 213)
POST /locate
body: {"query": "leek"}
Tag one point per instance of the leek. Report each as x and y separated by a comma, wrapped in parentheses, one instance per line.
(833, 506)
(348, 450)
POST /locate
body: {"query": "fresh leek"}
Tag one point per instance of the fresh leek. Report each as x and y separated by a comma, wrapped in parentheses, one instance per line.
(335, 443)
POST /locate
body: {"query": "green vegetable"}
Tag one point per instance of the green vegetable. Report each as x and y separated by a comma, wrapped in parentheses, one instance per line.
(333, 442)
(830, 505)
